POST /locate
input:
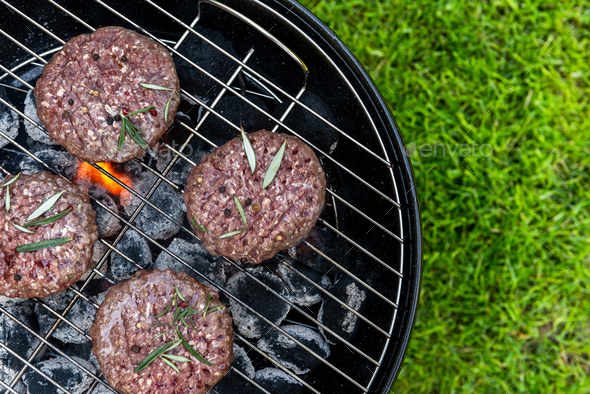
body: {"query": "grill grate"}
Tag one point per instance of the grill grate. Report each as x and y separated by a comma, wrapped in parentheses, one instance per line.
(209, 108)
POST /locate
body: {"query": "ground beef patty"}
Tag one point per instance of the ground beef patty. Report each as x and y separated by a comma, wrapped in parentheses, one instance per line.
(277, 217)
(128, 321)
(92, 79)
(47, 271)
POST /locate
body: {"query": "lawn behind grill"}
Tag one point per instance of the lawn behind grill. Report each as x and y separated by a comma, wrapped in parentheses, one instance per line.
(505, 296)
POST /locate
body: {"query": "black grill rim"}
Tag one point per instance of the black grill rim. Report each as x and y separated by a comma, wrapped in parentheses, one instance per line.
(305, 19)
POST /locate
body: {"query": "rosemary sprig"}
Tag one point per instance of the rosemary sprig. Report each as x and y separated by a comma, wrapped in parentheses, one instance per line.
(241, 211)
(153, 355)
(48, 220)
(178, 292)
(21, 228)
(135, 133)
(179, 315)
(46, 206)
(232, 233)
(250, 154)
(10, 182)
(42, 245)
(274, 166)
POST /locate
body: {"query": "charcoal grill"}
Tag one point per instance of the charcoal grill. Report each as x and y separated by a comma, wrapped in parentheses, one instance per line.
(286, 53)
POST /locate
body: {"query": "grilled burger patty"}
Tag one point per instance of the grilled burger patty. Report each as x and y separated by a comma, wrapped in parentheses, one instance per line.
(276, 217)
(133, 315)
(49, 270)
(87, 84)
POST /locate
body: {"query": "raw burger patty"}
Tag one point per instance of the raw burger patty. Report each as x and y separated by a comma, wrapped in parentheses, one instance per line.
(47, 271)
(125, 59)
(121, 335)
(277, 217)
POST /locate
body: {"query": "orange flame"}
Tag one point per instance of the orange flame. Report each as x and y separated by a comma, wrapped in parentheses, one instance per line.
(90, 176)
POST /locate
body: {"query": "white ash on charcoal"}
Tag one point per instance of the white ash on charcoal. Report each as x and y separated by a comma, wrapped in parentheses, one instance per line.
(137, 248)
(17, 338)
(302, 292)
(260, 299)
(234, 383)
(166, 198)
(36, 133)
(332, 246)
(102, 389)
(276, 381)
(208, 58)
(197, 257)
(64, 372)
(30, 76)
(107, 223)
(236, 110)
(9, 121)
(339, 319)
(59, 161)
(81, 315)
(308, 125)
(97, 253)
(7, 302)
(291, 355)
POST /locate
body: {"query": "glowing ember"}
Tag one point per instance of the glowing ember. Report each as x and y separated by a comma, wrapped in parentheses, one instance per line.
(90, 176)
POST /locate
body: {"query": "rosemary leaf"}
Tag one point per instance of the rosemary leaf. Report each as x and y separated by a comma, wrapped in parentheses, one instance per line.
(184, 322)
(48, 220)
(207, 306)
(180, 359)
(152, 356)
(250, 154)
(232, 233)
(46, 206)
(192, 351)
(20, 228)
(165, 310)
(190, 321)
(175, 345)
(241, 211)
(42, 245)
(154, 87)
(122, 135)
(157, 336)
(202, 228)
(167, 108)
(10, 182)
(140, 111)
(133, 133)
(178, 292)
(174, 367)
(274, 166)
(217, 308)
(7, 199)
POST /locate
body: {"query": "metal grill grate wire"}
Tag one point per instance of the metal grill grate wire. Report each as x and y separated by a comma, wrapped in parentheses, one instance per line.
(111, 247)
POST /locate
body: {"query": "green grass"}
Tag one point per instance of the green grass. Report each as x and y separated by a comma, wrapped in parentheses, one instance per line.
(505, 295)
